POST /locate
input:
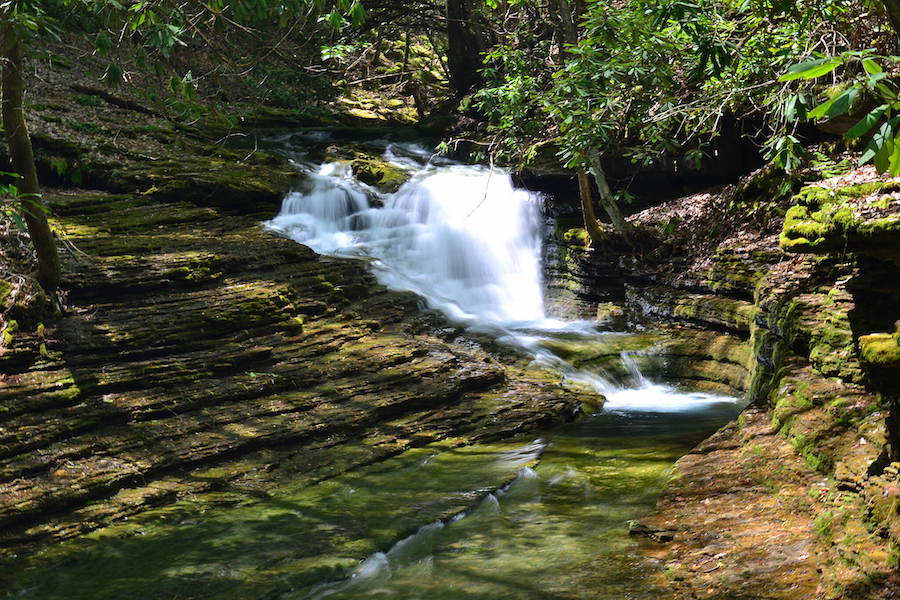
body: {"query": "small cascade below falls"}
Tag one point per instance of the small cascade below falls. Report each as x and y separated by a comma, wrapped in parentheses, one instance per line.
(469, 242)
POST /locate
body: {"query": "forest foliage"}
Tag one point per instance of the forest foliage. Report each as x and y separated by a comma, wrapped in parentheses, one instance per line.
(650, 80)
(647, 81)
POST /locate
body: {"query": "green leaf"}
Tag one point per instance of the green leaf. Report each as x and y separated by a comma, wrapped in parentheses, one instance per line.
(837, 106)
(357, 13)
(872, 67)
(335, 20)
(873, 80)
(18, 220)
(866, 123)
(883, 156)
(811, 69)
(877, 142)
(113, 74)
(885, 91)
(790, 108)
(843, 103)
(894, 161)
(795, 108)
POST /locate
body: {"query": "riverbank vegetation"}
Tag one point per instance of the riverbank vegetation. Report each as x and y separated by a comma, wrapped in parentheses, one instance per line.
(613, 89)
(157, 347)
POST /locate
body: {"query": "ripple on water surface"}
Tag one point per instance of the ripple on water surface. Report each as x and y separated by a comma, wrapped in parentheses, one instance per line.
(559, 531)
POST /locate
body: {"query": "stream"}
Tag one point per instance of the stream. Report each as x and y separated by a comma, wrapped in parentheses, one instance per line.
(544, 516)
(469, 242)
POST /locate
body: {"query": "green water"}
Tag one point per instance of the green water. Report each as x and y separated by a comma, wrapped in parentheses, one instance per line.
(557, 531)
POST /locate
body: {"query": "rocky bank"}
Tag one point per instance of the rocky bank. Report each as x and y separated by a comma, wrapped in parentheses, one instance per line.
(799, 497)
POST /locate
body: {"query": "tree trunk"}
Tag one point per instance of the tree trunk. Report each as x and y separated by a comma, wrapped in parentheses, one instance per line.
(570, 33)
(22, 159)
(608, 203)
(405, 54)
(893, 12)
(466, 42)
(592, 225)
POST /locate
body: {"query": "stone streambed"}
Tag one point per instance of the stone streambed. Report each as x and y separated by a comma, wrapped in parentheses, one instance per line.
(207, 367)
(204, 368)
(212, 385)
(524, 518)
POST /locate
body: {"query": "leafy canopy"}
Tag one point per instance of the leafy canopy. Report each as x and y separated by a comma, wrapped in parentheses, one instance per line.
(651, 80)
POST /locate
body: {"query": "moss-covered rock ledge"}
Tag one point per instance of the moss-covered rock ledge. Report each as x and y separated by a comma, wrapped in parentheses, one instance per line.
(860, 218)
(800, 497)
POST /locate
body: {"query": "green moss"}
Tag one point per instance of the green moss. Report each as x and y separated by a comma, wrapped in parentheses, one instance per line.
(88, 100)
(878, 227)
(880, 350)
(85, 127)
(225, 184)
(5, 290)
(824, 220)
(577, 234)
(378, 173)
(824, 526)
(609, 310)
(808, 449)
(791, 400)
(11, 328)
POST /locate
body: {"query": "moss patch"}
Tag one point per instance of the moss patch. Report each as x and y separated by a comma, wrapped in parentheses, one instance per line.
(370, 168)
(881, 350)
(825, 220)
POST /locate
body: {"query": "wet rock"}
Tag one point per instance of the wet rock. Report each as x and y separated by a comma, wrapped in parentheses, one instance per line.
(201, 356)
(369, 167)
(661, 303)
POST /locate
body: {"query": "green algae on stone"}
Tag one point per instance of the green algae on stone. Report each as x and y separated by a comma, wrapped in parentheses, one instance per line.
(386, 177)
(881, 350)
(825, 220)
(582, 351)
(670, 303)
(371, 168)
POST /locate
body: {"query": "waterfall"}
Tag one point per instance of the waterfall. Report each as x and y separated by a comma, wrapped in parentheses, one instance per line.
(469, 242)
(463, 237)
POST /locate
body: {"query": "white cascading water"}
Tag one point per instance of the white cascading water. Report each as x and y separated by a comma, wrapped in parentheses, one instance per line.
(464, 238)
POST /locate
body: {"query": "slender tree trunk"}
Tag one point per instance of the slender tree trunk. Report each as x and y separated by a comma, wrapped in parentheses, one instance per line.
(608, 202)
(405, 54)
(376, 56)
(593, 226)
(893, 12)
(22, 158)
(466, 41)
(439, 56)
(570, 33)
